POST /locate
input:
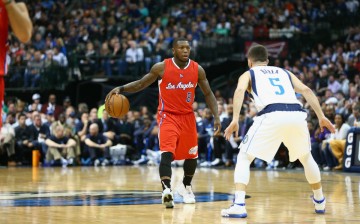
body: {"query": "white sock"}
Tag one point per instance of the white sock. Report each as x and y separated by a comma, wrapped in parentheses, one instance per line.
(318, 194)
(239, 197)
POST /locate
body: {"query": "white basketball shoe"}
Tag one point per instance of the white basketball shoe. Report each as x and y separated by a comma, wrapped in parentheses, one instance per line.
(235, 211)
(167, 198)
(186, 193)
(319, 205)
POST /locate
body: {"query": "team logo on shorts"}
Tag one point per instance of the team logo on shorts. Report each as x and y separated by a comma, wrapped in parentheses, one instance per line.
(245, 139)
(193, 150)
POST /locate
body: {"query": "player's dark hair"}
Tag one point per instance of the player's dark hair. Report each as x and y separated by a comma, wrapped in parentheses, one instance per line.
(176, 40)
(258, 53)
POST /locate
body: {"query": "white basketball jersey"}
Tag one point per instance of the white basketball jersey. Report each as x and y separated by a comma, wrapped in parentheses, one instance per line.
(271, 85)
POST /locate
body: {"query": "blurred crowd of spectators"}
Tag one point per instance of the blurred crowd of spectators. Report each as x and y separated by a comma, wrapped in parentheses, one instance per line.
(123, 37)
(127, 37)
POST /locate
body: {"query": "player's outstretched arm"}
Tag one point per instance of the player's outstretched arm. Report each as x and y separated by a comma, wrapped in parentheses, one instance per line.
(238, 100)
(156, 71)
(209, 98)
(19, 20)
(313, 101)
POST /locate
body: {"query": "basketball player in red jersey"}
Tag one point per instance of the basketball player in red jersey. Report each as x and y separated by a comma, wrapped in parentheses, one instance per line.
(177, 79)
(17, 16)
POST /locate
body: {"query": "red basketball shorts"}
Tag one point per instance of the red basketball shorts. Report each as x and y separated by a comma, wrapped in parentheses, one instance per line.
(178, 135)
(2, 93)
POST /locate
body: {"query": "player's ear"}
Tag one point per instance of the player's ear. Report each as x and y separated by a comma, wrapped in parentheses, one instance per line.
(249, 63)
(173, 50)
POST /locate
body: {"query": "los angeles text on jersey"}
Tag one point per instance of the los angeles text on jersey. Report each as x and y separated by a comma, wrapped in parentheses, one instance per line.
(180, 85)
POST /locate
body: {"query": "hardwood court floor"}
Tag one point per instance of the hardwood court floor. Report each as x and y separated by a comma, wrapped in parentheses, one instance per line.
(100, 195)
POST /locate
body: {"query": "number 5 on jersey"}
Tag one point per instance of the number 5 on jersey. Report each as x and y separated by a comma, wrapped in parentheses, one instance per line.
(281, 88)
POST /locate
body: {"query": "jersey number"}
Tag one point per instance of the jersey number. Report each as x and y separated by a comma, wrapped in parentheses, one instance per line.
(188, 97)
(281, 88)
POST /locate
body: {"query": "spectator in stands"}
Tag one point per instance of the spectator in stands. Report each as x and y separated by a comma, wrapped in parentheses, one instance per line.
(354, 119)
(124, 131)
(35, 105)
(66, 103)
(98, 146)
(325, 136)
(88, 59)
(39, 132)
(49, 119)
(39, 42)
(7, 140)
(59, 57)
(24, 145)
(105, 55)
(337, 140)
(60, 148)
(333, 84)
(134, 57)
(52, 106)
(206, 135)
(141, 136)
(82, 126)
(33, 71)
(108, 126)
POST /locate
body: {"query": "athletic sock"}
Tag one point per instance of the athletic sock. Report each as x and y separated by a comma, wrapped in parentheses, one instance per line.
(318, 194)
(239, 197)
(187, 180)
(165, 183)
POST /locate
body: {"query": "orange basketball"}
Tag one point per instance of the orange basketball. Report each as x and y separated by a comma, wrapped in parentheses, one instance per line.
(117, 105)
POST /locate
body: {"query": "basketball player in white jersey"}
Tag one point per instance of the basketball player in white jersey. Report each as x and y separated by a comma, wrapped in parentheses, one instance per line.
(280, 119)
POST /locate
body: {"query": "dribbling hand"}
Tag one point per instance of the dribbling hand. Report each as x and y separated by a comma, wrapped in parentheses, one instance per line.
(116, 90)
(233, 127)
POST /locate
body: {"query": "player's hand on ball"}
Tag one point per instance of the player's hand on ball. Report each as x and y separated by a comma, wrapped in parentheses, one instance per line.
(233, 127)
(116, 90)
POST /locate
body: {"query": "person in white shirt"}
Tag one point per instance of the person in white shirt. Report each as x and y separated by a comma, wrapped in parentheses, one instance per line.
(60, 57)
(134, 57)
(7, 140)
(337, 140)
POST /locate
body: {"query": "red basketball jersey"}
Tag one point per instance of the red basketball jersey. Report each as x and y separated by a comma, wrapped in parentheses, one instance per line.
(4, 23)
(177, 87)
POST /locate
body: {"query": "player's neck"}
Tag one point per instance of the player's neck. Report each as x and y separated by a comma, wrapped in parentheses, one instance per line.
(180, 64)
(259, 64)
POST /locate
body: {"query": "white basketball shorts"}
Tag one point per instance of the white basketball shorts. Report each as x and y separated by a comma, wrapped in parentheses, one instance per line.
(269, 130)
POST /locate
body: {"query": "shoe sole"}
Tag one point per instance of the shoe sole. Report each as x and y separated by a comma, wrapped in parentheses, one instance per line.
(320, 211)
(190, 202)
(235, 215)
(168, 201)
(186, 202)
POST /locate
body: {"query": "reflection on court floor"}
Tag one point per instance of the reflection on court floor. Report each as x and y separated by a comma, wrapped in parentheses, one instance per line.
(132, 195)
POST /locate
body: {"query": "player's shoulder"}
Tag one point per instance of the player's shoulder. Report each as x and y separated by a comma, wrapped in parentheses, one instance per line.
(158, 66)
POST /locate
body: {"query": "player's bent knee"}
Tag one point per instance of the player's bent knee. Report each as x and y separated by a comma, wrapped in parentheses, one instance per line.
(245, 157)
(312, 171)
(242, 169)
